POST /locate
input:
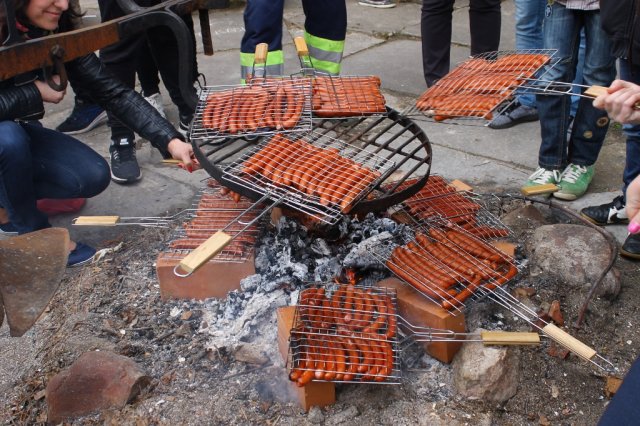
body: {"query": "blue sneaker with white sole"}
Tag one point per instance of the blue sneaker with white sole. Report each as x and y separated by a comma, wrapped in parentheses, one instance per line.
(8, 229)
(80, 255)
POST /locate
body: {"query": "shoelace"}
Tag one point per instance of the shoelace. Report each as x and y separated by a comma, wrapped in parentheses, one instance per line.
(573, 172)
(542, 176)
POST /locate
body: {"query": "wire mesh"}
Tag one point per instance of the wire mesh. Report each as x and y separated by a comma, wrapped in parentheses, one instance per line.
(448, 265)
(213, 211)
(312, 173)
(264, 106)
(336, 97)
(482, 85)
(345, 333)
(439, 201)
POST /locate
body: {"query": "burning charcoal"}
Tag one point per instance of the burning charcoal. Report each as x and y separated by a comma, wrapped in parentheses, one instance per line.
(320, 247)
(326, 269)
(361, 257)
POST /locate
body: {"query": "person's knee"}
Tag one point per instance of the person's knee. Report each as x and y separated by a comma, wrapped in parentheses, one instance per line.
(99, 178)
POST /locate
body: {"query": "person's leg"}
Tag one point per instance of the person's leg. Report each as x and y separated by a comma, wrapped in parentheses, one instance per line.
(631, 246)
(17, 188)
(325, 31)
(561, 29)
(435, 27)
(121, 60)
(590, 124)
(262, 24)
(528, 16)
(484, 25)
(147, 71)
(35, 163)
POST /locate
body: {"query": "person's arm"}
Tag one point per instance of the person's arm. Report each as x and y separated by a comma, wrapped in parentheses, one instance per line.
(130, 108)
(620, 102)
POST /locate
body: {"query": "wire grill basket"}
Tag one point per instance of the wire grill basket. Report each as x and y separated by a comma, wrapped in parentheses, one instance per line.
(482, 85)
(264, 106)
(312, 173)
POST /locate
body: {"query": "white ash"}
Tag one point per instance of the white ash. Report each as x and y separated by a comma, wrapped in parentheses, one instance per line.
(326, 269)
(250, 283)
(238, 319)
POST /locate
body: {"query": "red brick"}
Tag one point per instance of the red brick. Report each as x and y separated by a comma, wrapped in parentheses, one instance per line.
(421, 312)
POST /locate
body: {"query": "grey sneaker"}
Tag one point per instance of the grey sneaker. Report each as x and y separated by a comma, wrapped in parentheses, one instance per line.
(381, 4)
(156, 101)
(516, 115)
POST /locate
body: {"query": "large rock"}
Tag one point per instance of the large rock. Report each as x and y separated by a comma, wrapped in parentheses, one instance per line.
(96, 381)
(489, 373)
(575, 254)
(524, 218)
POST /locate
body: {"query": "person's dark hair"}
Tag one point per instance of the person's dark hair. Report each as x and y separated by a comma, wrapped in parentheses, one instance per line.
(69, 20)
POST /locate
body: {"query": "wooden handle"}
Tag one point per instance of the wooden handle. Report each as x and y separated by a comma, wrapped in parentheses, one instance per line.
(595, 91)
(460, 186)
(547, 188)
(205, 251)
(301, 46)
(568, 341)
(509, 338)
(260, 57)
(171, 161)
(96, 220)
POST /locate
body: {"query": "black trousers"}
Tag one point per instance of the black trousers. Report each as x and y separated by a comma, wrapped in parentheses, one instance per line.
(435, 26)
(128, 56)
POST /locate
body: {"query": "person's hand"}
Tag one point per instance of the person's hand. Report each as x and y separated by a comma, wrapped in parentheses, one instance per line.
(620, 102)
(633, 205)
(47, 93)
(183, 152)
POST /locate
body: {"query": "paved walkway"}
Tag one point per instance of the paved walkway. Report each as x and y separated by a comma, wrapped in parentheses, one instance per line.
(383, 42)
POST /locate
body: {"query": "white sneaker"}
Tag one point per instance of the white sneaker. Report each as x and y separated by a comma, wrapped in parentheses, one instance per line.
(543, 176)
(156, 101)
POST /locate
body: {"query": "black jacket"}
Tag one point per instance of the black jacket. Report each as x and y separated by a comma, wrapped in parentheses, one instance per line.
(619, 20)
(21, 100)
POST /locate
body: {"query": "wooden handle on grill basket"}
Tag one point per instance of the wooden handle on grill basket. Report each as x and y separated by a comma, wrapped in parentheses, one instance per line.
(509, 338)
(595, 91)
(568, 341)
(301, 46)
(547, 188)
(260, 55)
(96, 220)
(205, 251)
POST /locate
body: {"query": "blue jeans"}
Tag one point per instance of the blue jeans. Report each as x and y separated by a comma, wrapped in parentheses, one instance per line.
(529, 16)
(630, 72)
(561, 30)
(36, 162)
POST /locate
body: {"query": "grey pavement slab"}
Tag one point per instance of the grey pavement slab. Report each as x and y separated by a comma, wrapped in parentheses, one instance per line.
(379, 42)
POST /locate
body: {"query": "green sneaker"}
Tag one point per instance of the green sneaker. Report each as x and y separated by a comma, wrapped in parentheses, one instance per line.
(574, 182)
(543, 176)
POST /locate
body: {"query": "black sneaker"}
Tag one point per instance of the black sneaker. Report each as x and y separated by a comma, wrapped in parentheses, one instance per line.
(80, 255)
(124, 166)
(631, 247)
(607, 214)
(83, 118)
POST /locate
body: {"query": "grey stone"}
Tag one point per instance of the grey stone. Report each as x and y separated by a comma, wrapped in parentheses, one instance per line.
(575, 254)
(250, 354)
(489, 373)
(526, 217)
(315, 415)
